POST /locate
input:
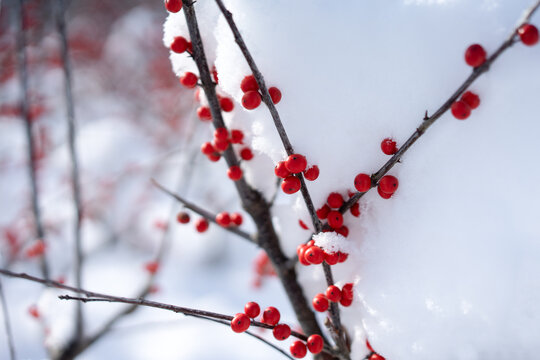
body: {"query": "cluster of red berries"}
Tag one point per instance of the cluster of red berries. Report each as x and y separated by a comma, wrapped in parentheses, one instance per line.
(271, 316)
(201, 225)
(311, 254)
(289, 168)
(220, 143)
(252, 98)
(225, 219)
(461, 109)
(321, 302)
(37, 249)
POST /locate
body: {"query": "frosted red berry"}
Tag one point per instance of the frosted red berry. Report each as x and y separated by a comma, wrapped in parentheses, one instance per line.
(323, 212)
(461, 110)
(281, 170)
(471, 99)
(226, 104)
(388, 146)
(282, 331)
(271, 316)
(179, 44)
(355, 209)
(528, 34)
(201, 225)
(237, 136)
(152, 267)
(315, 343)
(173, 6)
(333, 293)
(182, 217)
(320, 303)
(388, 184)
(204, 113)
(234, 173)
(251, 100)
(331, 258)
(252, 309)
(314, 255)
(383, 194)
(475, 55)
(335, 219)
(249, 84)
(312, 173)
(236, 219)
(240, 323)
(221, 133)
(246, 154)
(275, 94)
(298, 349)
(290, 185)
(362, 182)
(189, 80)
(334, 200)
(296, 163)
(223, 219)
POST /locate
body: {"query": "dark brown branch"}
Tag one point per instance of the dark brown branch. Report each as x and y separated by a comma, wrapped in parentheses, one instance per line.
(75, 178)
(7, 324)
(22, 67)
(428, 121)
(204, 213)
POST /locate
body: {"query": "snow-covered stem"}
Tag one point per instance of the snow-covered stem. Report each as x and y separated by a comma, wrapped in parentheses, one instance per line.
(204, 213)
(7, 324)
(75, 177)
(429, 120)
(22, 69)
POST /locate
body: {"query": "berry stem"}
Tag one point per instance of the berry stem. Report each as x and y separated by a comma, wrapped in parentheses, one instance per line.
(428, 121)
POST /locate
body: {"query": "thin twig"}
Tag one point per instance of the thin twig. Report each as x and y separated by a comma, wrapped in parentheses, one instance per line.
(7, 324)
(22, 67)
(428, 121)
(75, 178)
(204, 213)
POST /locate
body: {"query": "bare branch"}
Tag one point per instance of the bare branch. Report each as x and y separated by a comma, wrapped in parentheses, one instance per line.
(7, 325)
(428, 121)
(204, 213)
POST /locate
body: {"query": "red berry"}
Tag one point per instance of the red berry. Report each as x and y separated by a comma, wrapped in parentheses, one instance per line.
(152, 267)
(246, 154)
(290, 185)
(251, 100)
(226, 104)
(320, 303)
(33, 311)
(240, 323)
(388, 146)
(237, 136)
(275, 94)
(302, 255)
(344, 231)
(471, 99)
(347, 291)
(475, 55)
(323, 212)
(204, 113)
(528, 34)
(334, 200)
(220, 145)
(173, 6)
(234, 173)
(298, 349)
(355, 209)
(207, 148)
(296, 163)
(376, 357)
(281, 170)
(189, 80)
(335, 219)
(179, 44)
(271, 316)
(221, 133)
(315, 343)
(236, 219)
(223, 219)
(214, 157)
(252, 309)
(312, 173)
(388, 184)
(201, 225)
(362, 182)
(345, 302)
(331, 258)
(282, 331)
(182, 217)
(249, 84)
(314, 255)
(461, 110)
(342, 257)
(383, 194)
(333, 293)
